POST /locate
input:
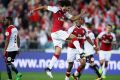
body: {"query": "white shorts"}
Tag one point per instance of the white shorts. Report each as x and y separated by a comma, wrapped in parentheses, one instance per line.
(104, 55)
(72, 54)
(59, 37)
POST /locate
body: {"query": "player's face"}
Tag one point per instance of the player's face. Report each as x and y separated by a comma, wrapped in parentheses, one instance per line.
(79, 22)
(68, 8)
(109, 28)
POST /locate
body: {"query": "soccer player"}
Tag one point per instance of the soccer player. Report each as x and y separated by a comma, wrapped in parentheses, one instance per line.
(106, 39)
(11, 47)
(58, 35)
(89, 52)
(72, 52)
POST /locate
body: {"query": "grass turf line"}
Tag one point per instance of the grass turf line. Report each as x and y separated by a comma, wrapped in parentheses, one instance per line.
(57, 76)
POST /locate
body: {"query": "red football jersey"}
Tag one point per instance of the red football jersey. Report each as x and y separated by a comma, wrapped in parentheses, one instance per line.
(58, 18)
(106, 40)
(81, 33)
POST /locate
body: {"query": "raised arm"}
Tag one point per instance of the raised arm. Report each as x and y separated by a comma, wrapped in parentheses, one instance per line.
(83, 13)
(40, 8)
(53, 9)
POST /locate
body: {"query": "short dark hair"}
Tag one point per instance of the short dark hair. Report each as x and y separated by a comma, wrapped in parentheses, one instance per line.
(64, 3)
(9, 18)
(89, 25)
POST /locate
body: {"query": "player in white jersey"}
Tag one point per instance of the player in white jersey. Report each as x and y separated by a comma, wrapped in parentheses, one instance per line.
(11, 48)
(89, 50)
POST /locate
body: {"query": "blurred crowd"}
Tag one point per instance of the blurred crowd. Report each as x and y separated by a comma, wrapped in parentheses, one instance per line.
(34, 30)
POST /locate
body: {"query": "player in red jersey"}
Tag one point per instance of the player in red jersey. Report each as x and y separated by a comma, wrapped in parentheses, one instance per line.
(72, 52)
(59, 36)
(106, 39)
(89, 52)
(11, 47)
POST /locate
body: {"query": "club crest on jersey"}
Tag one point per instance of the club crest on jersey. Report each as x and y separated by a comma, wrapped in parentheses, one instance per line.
(7, 33)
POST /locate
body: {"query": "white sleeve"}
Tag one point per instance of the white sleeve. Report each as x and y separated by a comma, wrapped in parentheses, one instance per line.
(70, 30)
(100, 35)
(86, 30)
(54, 9)
(91, 36)
(114, 37)
(86, 34)
(68, 15)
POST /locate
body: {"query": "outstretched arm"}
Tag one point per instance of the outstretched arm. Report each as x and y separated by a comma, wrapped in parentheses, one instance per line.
(83, 13)
(41, 7)
(53, 9)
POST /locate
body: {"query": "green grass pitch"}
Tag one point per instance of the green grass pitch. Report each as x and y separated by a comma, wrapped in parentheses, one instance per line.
(57, 76)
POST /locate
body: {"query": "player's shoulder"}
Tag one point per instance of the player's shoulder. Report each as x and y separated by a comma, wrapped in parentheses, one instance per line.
(102, 33)
(113, 34)
(90, 32)
(10, 27)
(85, 28)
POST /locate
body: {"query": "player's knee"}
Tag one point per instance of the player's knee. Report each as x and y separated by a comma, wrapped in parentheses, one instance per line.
(57, 50)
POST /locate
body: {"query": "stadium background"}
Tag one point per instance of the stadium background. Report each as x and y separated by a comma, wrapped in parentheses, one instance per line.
(36, 44)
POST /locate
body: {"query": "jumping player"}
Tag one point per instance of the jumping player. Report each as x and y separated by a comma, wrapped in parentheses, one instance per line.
(58, 35)
(106, 39)
(11, 48)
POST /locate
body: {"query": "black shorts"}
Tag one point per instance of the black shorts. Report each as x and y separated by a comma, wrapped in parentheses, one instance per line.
(90, 59)
(11, 56)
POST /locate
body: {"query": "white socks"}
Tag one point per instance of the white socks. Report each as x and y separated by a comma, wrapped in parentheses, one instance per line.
(52, 62)
(104, 70)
